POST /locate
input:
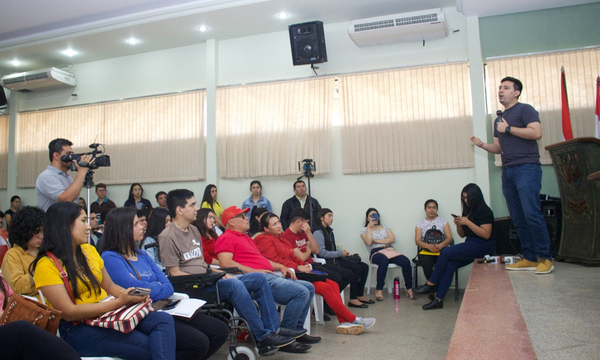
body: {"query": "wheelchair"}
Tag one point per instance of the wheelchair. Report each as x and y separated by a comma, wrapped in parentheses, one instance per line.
(206, 287)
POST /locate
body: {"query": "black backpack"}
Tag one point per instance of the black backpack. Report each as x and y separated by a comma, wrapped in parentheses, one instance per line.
(434, 236)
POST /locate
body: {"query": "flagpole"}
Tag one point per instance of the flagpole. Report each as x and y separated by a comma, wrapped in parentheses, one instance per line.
(598, 107)
(566, 116)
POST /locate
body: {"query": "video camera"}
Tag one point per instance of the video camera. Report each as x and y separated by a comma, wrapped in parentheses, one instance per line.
(307, 166)
(99, 161)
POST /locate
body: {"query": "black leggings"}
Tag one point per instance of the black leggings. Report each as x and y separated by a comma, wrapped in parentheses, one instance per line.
(200, 338)
(359, 271)
(23, 340)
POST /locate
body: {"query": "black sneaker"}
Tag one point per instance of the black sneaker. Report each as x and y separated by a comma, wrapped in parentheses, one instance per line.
(276, 341)
(295, 347)
(287, 332)
(307, 339)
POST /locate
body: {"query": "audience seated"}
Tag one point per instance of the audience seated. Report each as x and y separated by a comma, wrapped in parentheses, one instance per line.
(95, 232)
(158, 221)
(236, 249)
(103, 202)
(26, 235)
(83, 204)
(379, 239)
(181, 254)
(65, 235)
(300, 237)
(209, 201)
(276, 249)
(161, 199)
(299, 200)
(476, 225)
(196, 338)
(15, 205)
(206, 225)
(256, 200)
(429, 253)
(21, 340)
(358, 271)
(136, 191)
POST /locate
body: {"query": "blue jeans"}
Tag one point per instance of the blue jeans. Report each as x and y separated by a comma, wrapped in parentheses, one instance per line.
(296, 294)
(521, 187)
(454, 257)
(241, 291)
(153, 338)
(382, 263)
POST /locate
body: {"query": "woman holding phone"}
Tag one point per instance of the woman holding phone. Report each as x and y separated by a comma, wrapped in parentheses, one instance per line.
(379, 239)
(66, 236)
(196, 338)
(476, 225)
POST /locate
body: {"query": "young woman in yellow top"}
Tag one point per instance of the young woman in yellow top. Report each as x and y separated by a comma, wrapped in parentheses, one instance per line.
(209, 201)
(65, 235)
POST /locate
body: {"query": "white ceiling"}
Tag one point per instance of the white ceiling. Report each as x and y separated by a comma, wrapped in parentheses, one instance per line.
(36, 31)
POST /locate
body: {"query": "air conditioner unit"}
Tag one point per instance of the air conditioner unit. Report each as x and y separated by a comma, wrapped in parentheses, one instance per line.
(413, 26)
(39, 80)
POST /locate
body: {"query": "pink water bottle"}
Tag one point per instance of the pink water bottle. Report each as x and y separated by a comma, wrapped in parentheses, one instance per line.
(396, 288)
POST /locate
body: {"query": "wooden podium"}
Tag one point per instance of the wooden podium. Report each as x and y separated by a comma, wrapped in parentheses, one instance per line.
(574, 161)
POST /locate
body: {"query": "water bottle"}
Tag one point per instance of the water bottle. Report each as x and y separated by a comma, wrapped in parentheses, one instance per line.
(396, 288)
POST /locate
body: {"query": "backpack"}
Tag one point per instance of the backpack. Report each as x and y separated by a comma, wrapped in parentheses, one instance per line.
(434, 236)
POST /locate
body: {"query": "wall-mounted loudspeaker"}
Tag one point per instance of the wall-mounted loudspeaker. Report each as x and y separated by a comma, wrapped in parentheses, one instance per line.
(308, 43)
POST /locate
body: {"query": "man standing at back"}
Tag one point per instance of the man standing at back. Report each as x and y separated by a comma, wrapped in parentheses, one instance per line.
(55, 183)
(516, 133)
(103, 202)
(299, 200)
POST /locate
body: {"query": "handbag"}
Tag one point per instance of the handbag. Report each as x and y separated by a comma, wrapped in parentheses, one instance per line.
(355, 258)
(22, 308)
(312, 276)
(123, 319)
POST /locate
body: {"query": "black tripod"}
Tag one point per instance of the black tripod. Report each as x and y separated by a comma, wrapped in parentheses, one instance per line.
(307, 171)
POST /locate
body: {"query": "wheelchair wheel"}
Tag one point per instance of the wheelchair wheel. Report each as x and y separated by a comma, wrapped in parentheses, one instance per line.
(243, 353)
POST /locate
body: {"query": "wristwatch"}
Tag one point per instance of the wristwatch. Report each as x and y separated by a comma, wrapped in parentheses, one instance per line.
(507, 129)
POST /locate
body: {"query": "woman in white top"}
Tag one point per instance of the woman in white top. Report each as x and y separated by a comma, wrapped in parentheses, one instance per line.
(379, 239)
(429, 253)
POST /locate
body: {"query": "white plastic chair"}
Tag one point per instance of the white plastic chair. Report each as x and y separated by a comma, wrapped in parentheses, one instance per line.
(389, 277)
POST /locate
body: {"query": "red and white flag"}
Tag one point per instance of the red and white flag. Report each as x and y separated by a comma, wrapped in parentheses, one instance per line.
(597, 121)
(566, 116)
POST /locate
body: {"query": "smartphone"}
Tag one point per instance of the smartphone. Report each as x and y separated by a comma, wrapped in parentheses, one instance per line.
(139, 292)
(375, 216)
(172, 304)
(454, 215)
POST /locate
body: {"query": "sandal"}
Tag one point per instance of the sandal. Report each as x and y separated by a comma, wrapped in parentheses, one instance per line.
(379, 295)
(413, 297)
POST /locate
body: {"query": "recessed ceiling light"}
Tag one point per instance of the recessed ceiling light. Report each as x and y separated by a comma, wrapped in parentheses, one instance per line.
(70, 52)
(202, 28)
(283, 15)
(15, 62)
(132, 41)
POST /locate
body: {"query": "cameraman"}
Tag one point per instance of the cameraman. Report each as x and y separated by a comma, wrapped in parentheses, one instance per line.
(55, 183)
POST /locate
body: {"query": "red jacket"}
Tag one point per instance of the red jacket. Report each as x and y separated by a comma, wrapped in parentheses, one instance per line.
(278, 250)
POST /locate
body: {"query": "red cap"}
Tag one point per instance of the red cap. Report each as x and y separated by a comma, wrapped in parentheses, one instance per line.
(232, 212)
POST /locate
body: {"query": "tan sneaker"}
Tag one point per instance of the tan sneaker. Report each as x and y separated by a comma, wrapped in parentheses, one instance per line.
(545, 266)
(350, 328)
(522, 264)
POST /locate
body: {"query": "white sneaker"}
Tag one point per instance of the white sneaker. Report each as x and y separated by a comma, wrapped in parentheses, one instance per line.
(350, 329)
(366, 322)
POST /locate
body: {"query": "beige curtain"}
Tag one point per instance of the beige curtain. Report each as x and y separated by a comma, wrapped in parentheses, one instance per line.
(4, 121)
(154, 139)
(540, 75)
(265, 129)
(406, 119)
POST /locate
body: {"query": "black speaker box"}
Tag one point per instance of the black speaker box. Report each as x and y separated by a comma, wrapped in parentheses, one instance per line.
(308, 43)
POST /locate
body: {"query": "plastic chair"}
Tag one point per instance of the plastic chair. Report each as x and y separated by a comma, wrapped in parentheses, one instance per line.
(416, 264)
(389, 277)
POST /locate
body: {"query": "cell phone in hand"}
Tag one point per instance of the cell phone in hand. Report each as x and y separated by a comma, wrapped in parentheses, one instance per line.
(454, 215)
(139, 292)
(375, 216)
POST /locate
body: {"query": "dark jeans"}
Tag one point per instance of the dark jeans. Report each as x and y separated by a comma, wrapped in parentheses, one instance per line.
(427, 262)
(200, 338)
(521, 187)
(23, 340)
(382, 262)
(153, 338)
(335, 273)
(453, 257)
(359, 272)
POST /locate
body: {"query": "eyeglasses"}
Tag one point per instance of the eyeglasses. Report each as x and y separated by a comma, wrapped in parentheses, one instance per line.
(241, 216)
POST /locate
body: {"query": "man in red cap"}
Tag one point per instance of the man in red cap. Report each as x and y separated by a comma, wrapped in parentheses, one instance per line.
(236, 249)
